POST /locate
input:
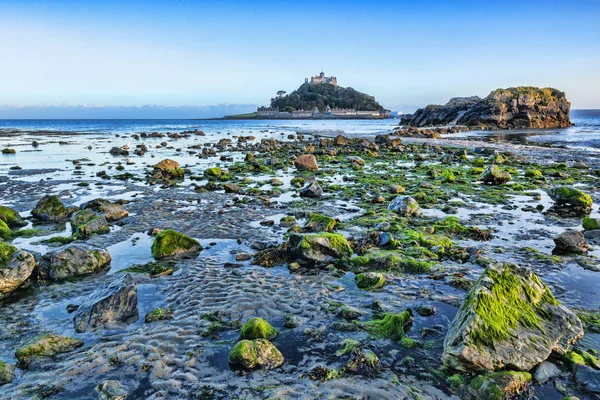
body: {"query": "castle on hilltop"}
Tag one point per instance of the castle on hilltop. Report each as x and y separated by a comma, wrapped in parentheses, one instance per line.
(321, 78)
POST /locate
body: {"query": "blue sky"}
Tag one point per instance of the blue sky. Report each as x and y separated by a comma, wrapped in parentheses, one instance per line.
(406, 54)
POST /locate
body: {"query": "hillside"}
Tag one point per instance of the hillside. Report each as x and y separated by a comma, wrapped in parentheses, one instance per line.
(308, 96)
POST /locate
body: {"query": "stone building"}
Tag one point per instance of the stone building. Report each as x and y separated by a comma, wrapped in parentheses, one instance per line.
(321, 78)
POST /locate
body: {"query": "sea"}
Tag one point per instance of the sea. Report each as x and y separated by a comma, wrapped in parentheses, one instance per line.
(584, 134)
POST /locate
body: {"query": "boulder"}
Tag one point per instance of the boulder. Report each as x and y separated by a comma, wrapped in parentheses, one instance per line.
(231, 187)
(545, 371)
(72, 260)
(115, 301)
(513, 108)
(167, 170)
(571, 198)
(588, 379)
(86, 223)
(570, 242)
(306, 162)
(319, 223)
(167, 165)
(15, 268)
(405, 206)
(172, 244)
(7, 373)
(313, 190)
(111, 211)
(591, 224)
(320, 247)
(213, 172)
(51, 209)
(509, 320)
(362, 362)
(45, 346)
(494, 175)
(370, 280)
(258, 353)
(11, 218)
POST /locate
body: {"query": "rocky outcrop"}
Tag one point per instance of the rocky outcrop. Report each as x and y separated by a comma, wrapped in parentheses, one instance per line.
(15, 270)
(519, 107)
(320, 248)
(509, 320)
(72, 260)
(115, 301)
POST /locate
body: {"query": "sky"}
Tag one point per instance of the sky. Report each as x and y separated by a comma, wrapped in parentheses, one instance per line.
(230, 53)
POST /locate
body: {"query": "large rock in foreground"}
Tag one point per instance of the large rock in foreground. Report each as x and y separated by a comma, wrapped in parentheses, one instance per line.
(509, 320)
(115, 301)
(72, 260)
(519, 107)
(320, 247)
(15, 268)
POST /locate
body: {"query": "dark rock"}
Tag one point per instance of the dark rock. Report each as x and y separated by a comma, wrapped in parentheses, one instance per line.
(570, 242)
(313, 190)
(72, 260)
(114, 301)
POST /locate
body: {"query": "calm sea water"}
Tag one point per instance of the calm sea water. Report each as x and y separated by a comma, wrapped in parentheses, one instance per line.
(585, 134)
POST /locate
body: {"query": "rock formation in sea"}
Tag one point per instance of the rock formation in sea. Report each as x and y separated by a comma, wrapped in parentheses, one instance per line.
(519, 107)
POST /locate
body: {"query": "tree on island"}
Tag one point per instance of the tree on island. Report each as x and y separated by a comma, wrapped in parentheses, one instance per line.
(309, 96)
(281, 93)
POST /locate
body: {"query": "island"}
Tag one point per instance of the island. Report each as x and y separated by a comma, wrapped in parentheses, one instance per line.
(319, 98)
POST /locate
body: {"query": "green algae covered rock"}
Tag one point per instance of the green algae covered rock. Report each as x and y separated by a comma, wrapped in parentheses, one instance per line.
(363, 362)
(170, 243)
(11, 218)
(46, 346)
(319, 223)
(566, 196)
(320, 247)
(51, 209)
(213, 172)
(390, 326)
(5, 232)
(590, 224)
(7, 372)
(86, 223)
(6, 252)
(391, 260)
(72, 260)
(405, 206)
(509, 320)
(258, 353)
(257, 328)
(347, 346)
(500, 385)
(370, 280)
(494, 175)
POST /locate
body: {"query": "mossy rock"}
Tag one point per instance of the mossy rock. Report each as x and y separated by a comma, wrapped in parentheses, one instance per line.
(213, 172)
(6, 252)
(11, 217)
(534, 173)
(170, 243)
(320, 247)
(591, 224)
(158, 314)
(363, 362)
(320, 223)
(500, 385)
(390, 326)
(370, 280)
(391, 260)
(495, 176)
(568, 196)
(86, 223)
(509, 319)
(7, 373)
(5, 232)
(257, 328)
(347, 346)
(51, 209)
(258, 353)
(8, 151)
(46, 346)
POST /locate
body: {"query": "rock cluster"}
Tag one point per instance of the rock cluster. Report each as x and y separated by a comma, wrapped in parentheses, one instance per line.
(519, 107)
